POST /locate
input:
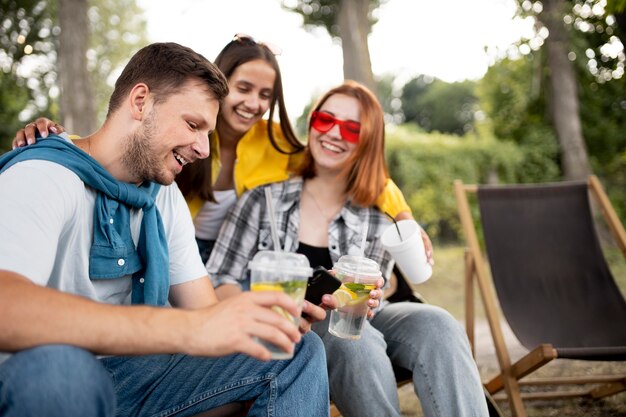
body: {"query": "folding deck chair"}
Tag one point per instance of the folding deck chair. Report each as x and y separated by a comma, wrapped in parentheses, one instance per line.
(551, 280)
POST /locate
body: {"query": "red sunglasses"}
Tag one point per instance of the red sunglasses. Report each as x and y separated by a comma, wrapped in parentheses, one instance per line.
(323, 122)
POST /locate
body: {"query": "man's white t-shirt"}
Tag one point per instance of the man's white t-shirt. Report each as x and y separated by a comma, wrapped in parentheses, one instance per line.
(46, 229)
(209, 219)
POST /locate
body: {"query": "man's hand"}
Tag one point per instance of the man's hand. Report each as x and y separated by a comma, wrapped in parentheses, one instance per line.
(231, 325)
(42, 125)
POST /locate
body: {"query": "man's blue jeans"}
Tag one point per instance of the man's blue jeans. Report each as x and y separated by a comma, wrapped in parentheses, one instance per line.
(60, 380)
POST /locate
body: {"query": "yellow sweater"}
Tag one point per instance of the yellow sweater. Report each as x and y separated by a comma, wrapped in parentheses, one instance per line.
(258, 163)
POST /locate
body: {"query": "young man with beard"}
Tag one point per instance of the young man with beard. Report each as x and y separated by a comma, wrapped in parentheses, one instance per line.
(96, 240)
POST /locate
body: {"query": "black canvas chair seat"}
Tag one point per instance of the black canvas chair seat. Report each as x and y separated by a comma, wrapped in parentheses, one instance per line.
(548, 269)
(551, 279)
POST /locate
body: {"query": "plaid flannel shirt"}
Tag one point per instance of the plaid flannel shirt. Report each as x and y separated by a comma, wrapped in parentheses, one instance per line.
(246, 231)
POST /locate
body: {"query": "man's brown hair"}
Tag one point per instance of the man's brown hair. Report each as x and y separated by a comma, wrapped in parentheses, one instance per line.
(164, 68)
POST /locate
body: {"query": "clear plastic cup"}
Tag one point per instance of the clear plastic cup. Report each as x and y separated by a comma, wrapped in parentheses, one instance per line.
(284, 272)
(358, 276)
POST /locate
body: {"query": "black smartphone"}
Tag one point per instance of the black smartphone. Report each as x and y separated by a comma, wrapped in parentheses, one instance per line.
(322, 282)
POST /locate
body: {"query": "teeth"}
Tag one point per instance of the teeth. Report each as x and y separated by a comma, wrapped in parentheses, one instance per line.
(331, 147)
(180, 159)
(245, 114)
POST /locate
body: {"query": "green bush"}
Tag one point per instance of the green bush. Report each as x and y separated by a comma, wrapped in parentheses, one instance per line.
(425, 165)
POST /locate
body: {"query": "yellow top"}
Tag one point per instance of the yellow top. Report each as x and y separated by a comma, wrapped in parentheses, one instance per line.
(391, 200)
(258, 163)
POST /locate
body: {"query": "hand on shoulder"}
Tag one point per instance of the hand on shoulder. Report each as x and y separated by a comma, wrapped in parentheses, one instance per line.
(42, 125)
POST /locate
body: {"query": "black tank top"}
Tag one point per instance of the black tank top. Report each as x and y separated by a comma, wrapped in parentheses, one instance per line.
(317, 256)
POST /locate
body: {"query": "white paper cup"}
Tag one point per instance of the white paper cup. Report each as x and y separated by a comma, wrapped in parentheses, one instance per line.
(409, 252)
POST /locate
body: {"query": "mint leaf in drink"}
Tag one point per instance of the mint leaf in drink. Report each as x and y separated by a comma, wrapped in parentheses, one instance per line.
(293, 286)
(354, 287)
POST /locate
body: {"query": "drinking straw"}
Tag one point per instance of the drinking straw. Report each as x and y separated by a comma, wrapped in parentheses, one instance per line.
(396, 223)
(270, 209)
(364, 238)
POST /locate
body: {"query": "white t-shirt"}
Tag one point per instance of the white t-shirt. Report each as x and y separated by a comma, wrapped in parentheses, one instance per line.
(209, 219)
(46, 229)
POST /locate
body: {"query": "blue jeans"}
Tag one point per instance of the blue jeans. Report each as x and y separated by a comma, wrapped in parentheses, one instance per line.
(60, 380)
(422, 338)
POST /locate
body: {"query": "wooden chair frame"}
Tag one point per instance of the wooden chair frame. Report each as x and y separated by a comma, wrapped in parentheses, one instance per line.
(511, 373)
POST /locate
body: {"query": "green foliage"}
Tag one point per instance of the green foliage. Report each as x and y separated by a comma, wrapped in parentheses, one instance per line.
(602, 90)
(425, 166)
(593, 40)
(613, 177)
(615, 6)
(392, 105)
(514, 94)
(303, 119)
(12, 101)
(603, 115)
(541, 156)
(25, 27)
(436, 105)
(28, 38)
(509, 95)
(118, 30)
(411, 91)
(26, 62)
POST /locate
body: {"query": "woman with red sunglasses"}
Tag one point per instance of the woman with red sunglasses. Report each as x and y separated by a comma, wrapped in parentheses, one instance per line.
(321, 213)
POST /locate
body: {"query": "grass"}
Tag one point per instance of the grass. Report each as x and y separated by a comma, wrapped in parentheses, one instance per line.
(446, 289)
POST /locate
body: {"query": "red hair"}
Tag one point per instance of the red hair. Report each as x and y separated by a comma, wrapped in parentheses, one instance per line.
(366, 170)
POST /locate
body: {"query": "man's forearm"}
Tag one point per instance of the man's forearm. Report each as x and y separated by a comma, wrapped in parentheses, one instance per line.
(197, 293)
(33, 315)
(227, 290)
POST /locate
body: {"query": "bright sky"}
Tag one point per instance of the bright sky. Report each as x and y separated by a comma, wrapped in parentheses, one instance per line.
(442, 38)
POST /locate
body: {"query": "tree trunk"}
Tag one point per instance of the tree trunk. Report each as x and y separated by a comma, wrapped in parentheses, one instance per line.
(564, 104)
(77, 100)
(354, 29)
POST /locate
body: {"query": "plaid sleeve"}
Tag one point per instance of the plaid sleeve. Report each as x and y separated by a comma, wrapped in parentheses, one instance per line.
(237, 241)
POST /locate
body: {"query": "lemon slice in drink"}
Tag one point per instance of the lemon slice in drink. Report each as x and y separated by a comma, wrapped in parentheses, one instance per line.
(283, 313)
(266, 287)
(344, 296)
(358, 300)
(360, 292)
